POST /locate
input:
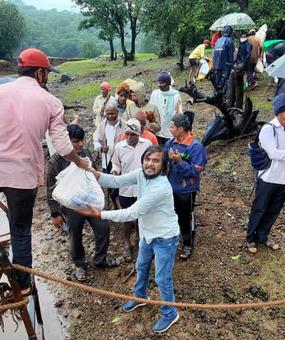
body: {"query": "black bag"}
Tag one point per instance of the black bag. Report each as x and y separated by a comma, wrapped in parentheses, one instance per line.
(258, 156)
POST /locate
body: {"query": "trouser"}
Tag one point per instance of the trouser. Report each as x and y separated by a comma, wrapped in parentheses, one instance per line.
(101, 230)
(235, 89)
(221, 78)
(184, 205)
(250, 74)
(163, 251)
(20, 204)
(112, 192)
(268, 202)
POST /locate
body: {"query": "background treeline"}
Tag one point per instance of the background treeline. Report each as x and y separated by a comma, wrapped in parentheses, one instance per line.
(165, 27)
(56, 33)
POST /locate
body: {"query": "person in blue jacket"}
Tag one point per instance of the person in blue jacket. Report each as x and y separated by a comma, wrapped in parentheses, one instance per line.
(223, 58)
(187, 158)
(244, 52)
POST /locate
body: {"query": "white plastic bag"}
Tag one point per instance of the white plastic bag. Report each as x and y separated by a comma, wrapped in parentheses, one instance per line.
(259, 68)
(77, 188)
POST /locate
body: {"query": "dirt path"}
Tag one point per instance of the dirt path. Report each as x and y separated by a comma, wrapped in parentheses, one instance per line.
(219, 271)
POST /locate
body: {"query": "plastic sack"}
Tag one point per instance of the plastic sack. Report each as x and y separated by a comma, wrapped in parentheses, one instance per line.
(77, 188)
(204, 69)
(259, 67)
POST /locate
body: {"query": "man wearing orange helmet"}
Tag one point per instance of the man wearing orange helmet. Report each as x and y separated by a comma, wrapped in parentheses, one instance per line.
(27, 111)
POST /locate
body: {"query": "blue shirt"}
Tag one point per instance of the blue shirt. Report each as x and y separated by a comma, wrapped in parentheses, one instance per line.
(184, 176)
(154, 208)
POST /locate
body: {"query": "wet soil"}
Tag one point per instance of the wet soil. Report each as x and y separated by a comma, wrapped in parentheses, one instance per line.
(219, 271)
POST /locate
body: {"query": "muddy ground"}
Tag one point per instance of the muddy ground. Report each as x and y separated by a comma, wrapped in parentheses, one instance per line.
(219, 271)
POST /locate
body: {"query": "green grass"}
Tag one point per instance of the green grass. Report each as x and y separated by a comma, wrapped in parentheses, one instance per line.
(272, 275)
(83, 92)
(144, 56)
(86, 67)
(262, 103)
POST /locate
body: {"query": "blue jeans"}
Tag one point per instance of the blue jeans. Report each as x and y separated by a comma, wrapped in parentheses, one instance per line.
(163, 251)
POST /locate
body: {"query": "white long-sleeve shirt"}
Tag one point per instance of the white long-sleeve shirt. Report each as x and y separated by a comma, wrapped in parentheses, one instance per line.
(169, 103)
(274, 145)
(154, 207)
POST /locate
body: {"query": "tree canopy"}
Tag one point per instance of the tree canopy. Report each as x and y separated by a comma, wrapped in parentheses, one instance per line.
(12, 28)
(112, 17)
(56, 33)
(162, 26)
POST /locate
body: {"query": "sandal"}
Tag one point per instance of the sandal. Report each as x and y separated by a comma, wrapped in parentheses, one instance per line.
(186, 253)
(251, 247)
(80, 274)
(272, 244)
(109, 262)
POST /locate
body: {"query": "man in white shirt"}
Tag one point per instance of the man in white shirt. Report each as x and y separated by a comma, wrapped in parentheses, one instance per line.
(107, 135)
(101, 101)
(126, 158)
(168, 102)
(270, 189)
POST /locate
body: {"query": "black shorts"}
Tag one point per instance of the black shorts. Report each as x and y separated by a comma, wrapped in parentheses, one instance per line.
(126, 202)
(194, 62)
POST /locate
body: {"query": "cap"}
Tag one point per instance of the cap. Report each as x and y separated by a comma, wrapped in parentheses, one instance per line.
(33, 57)
(133, 126)
(279, 104)
(123, 87)
(138, 88)
(252, 31)
(130, 82)
(164, 77)
(106, 86)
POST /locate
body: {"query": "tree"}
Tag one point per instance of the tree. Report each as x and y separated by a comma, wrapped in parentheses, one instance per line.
(12, 28)
(271, 13)
(243, 4)
(113, 16)
(181, 23)
(88, 49)
(106, 33)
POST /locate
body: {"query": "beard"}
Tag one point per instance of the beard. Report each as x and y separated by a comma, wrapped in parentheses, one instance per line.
(146, 176)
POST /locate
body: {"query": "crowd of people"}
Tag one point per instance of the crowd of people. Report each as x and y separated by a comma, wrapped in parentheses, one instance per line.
(226, 56)
(151, 165)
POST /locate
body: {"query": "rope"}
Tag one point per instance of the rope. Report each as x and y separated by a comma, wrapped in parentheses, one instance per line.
(15, 305)
(117, 296)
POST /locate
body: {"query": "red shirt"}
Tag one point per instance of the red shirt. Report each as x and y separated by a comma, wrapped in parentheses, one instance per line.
(215, 37)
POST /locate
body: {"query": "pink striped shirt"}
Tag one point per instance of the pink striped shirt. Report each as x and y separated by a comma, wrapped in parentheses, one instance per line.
(26, 112)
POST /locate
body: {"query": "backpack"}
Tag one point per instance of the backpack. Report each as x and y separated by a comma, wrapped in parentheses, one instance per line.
(258, 156)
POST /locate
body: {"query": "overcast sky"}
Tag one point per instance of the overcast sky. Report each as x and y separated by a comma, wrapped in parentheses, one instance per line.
(60, 5)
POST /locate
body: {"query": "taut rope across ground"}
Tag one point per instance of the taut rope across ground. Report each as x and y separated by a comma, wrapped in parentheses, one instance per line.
(118, 296)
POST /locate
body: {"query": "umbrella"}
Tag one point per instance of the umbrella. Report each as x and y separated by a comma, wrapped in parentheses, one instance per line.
(277, 68)
(238, 21)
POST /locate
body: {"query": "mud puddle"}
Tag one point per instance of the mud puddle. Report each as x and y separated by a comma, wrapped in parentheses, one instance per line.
(54, 325)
